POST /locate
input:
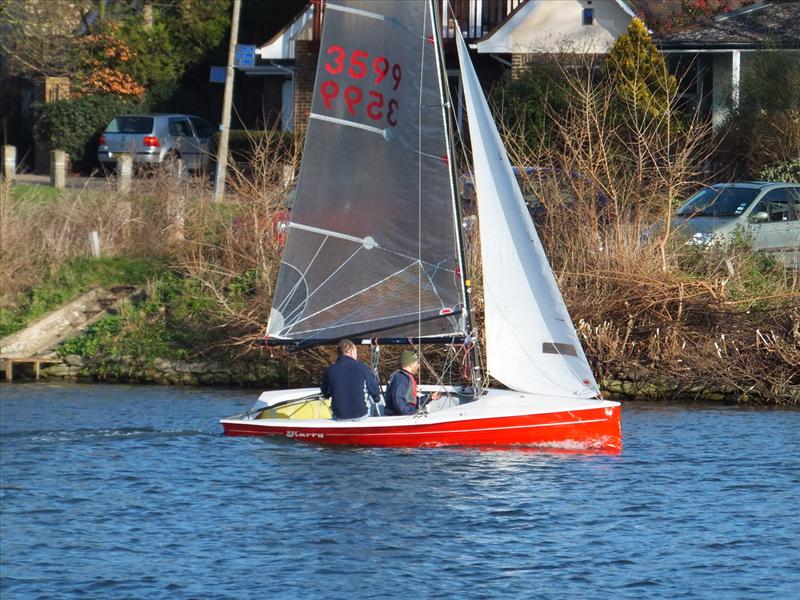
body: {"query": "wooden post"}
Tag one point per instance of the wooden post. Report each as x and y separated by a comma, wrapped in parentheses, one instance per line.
(9, 370)
(124, 173)
(36, 369)
(9, 162)
(177, 168)
(58, 169)
(224, 133)
(175, 216)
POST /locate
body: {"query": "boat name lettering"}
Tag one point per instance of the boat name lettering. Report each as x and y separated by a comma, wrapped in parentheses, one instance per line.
(353, 95)
(300, 434)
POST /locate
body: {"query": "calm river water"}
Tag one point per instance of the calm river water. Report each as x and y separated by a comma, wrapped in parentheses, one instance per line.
(132, 492)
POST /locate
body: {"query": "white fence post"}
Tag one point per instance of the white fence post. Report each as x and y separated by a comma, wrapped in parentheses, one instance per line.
(175, 216)
(124, 173)
(94, 242)
(58, 169)
(177, 168)
(287, 175)
(9, 162)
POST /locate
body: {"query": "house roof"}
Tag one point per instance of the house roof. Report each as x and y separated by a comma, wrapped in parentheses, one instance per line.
(516, 31)
(774, 24)
(664, 16)
(281, 45)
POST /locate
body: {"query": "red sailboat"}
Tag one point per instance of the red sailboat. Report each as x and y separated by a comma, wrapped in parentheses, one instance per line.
(374, 253)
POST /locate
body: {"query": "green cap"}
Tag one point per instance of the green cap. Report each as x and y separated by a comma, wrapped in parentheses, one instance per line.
(407, 358)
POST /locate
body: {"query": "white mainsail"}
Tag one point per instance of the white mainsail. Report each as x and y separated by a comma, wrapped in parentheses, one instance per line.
(531, 345)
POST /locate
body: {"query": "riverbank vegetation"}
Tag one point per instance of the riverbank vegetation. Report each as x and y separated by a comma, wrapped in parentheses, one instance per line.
(611, 157)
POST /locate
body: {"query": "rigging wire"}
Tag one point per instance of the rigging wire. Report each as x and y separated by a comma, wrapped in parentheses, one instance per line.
(419, 185)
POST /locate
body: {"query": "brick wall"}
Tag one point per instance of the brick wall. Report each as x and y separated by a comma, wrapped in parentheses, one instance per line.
(271, 102)
(305, 54)
(519, 64)
(46, 90)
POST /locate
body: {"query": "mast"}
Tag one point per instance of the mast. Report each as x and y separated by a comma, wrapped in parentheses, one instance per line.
(476, 374)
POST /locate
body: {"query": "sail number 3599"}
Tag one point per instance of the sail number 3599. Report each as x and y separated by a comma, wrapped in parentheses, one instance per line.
(360, 67)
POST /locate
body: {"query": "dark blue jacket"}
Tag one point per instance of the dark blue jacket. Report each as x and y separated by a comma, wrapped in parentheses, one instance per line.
(400, 398)
(349, 384)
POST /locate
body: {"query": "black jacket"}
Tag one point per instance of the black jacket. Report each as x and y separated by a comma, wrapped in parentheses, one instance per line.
(350, 384)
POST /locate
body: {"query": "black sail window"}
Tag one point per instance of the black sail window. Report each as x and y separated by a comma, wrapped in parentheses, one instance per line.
(559, 348)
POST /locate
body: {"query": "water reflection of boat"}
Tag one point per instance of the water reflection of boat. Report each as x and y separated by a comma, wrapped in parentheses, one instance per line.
(374, 253)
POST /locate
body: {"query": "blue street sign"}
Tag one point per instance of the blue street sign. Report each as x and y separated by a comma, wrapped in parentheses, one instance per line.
(245, 61)
(217, 75)
(245, 55)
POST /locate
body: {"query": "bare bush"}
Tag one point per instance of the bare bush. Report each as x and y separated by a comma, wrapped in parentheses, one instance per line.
(37, 235)
(234, 249)
(651, 306)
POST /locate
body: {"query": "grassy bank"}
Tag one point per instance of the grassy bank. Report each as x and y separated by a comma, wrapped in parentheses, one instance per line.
(62, 283)
(657, 317)
(721, 324)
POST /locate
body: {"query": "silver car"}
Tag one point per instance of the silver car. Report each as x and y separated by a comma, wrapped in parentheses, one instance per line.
(765, 214)
(154, 138)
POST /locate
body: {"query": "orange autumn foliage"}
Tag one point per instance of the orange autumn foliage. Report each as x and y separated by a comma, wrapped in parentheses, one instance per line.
(110, 81)
(105, 71)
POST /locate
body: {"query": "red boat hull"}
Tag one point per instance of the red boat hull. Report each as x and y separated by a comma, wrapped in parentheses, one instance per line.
(589, 429)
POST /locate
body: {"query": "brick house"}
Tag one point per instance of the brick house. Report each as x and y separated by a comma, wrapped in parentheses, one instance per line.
(503, 35)
(288, 60)
(715, 53)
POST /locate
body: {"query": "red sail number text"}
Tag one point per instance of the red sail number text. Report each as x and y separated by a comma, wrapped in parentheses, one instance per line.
(365, 72)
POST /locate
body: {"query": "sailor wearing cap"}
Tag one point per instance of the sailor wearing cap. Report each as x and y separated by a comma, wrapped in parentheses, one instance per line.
(401, 393)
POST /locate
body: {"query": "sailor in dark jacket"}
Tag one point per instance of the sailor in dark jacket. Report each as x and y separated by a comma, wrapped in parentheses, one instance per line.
(401, 393)
(351, 385)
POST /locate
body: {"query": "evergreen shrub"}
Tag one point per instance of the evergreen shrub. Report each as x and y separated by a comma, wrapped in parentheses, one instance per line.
(526, 103)
(786, 172)
(244, 145)
(74, 125)
(639, 74)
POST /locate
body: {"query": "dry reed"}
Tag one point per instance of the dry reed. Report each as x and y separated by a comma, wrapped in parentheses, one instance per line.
(638, 310)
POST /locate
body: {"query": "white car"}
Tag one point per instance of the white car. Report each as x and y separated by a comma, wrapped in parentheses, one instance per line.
(766, 214)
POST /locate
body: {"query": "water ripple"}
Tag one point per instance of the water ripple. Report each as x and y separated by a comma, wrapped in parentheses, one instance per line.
(82, 435)
(131, 492)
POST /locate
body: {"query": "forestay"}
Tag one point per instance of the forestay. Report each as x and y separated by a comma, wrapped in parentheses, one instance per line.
(372, 248)
(531, 345)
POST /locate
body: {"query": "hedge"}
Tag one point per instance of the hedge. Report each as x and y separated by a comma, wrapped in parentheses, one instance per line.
(244, 144)
(75, 125)
(787, 172)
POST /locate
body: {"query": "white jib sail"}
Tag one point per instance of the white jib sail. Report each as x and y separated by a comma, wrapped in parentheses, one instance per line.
(531, 345)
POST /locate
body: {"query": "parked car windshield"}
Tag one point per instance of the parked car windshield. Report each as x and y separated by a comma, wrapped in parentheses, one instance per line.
(130, 125)
(718, 202)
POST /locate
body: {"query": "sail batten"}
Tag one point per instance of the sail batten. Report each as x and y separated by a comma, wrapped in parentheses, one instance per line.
(384, 133)
(374, 187)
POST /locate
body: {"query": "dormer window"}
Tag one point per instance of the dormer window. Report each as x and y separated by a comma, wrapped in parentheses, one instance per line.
(588, 16)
